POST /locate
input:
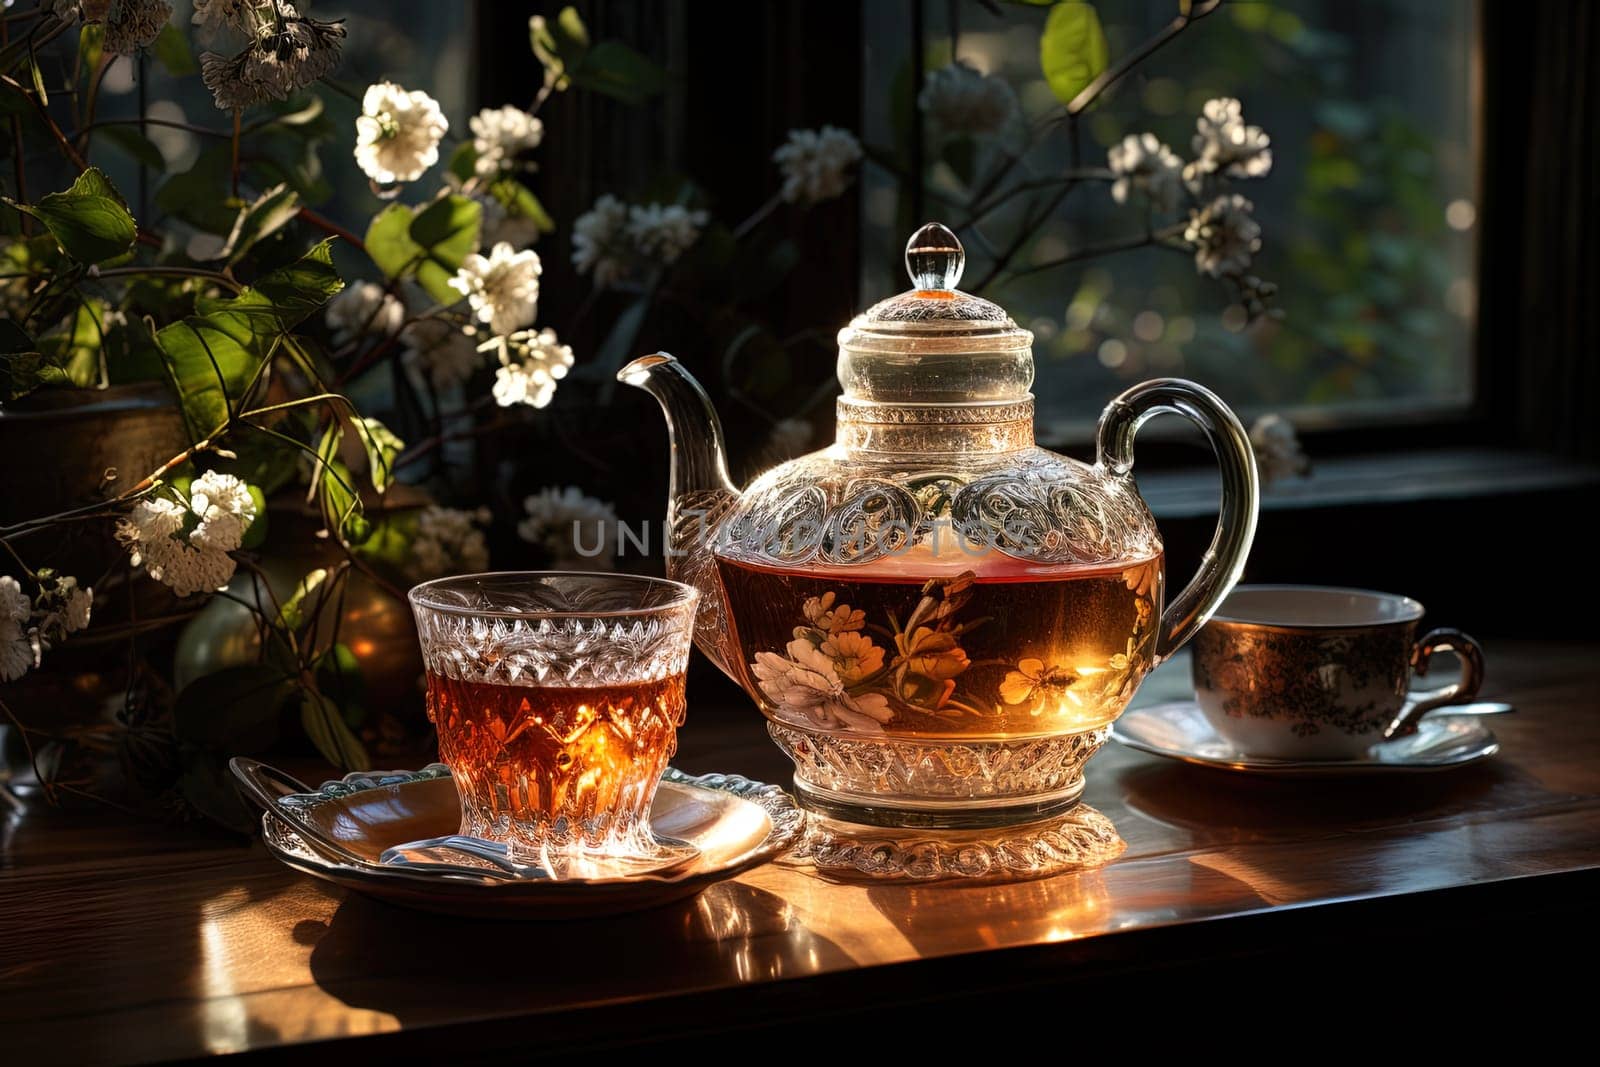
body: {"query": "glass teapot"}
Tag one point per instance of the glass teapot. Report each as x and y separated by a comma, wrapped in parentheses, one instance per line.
(939, 619)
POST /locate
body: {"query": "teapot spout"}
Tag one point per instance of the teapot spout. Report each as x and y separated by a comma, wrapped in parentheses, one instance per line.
(699, 496)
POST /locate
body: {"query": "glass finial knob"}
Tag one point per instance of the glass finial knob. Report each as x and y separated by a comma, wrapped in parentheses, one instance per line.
(934, 258)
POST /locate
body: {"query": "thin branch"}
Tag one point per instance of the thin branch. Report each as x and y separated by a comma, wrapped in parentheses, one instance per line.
(93, 99)
(1121, 68)
(70, 152)
(1023, 234)
(327, 225)
(191, 127)
(174, 272)
(100, 507)
(17, 150)
(758, 216)
(1157, 237)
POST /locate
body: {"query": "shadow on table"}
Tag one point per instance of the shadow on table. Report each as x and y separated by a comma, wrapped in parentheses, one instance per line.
(1222, 806)
(424, 968)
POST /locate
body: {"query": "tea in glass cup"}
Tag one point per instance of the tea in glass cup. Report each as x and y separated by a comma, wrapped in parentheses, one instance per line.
(557, 698)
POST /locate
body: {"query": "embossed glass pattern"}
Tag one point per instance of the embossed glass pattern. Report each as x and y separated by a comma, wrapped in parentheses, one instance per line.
(557, 698)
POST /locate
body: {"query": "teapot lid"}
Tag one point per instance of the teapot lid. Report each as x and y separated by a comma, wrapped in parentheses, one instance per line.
(934, 317)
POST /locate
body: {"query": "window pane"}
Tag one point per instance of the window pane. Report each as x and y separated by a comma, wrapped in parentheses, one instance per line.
(1366, 218)
(419, 43)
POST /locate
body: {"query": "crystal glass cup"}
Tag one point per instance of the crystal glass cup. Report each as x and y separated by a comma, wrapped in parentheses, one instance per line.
(557, 699)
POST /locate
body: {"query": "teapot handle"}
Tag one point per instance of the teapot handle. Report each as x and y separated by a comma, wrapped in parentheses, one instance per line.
(1241, 495)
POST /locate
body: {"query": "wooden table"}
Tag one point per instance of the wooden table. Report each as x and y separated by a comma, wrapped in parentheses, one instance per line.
(132, 943)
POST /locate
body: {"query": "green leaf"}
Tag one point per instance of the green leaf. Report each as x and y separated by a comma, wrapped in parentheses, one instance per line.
(264, 461)
(560, 46)
(389, 242)
(463, 161)
(381, 447)
(519, 202)
(266, 215)
(326, 727)
(22, 365)
(616, 70)
(389, 541)
(430, 243)
(75, 345)
(90, 221)
(448, 229)
(213, 355)
(139, 148)
(38, 80)
(255, 535)
(172, 49)
(91, 46)
(334, 489)
(233, 711)
(292, 613)
(1072, 50)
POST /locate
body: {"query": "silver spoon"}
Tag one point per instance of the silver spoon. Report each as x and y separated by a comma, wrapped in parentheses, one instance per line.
(494, 858)
(266, 785)
(1481, 707)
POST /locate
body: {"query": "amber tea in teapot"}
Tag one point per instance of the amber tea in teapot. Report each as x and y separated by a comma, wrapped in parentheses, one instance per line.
(939, 618)
(997, 651)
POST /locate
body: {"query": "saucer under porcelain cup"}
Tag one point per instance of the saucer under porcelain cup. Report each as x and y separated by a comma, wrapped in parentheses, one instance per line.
(1317, 673)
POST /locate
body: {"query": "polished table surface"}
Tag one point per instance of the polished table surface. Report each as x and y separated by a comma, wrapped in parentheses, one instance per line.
(127, 942)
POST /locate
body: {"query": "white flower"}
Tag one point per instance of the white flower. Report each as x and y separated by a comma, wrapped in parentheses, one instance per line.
(664, 231)
(530, 365)
(442, 351)
(1143, 163)
(16, 651)
(286, 55)
(226, 510)
(600, 244)
(500, 133)
(808, 683)
(361, 309)
(1224, 236)
(153, 534)
(1277, 447)
(134, 24)
(62, 607)
(960, 100)
(577, 532)
(1225, 145)
(502, 287)
(398, 133)
(448, 541)
(816, 164)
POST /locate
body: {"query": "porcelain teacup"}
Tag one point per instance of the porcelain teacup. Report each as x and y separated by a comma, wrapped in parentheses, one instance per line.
(1310, 672)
